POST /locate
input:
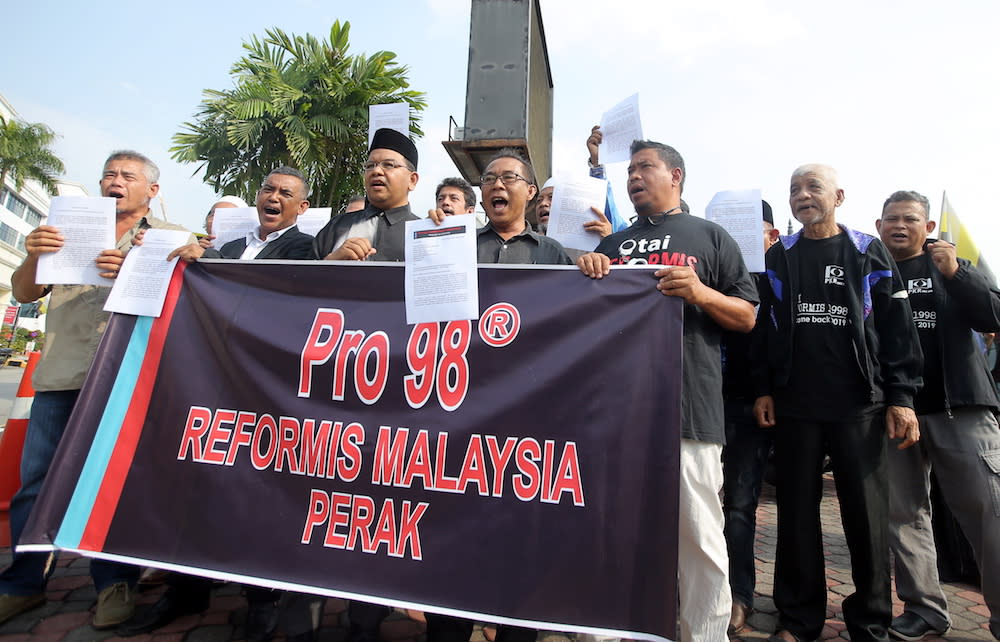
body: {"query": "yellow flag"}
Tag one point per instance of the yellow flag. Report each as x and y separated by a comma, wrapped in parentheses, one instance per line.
(953, 231)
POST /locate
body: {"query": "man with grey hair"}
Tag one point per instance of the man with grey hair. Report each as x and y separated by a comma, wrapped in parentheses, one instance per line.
(835, 366)
(957, 409)
(76, 321)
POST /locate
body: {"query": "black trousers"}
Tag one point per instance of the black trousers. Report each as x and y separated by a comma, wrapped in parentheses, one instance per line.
(858, 455)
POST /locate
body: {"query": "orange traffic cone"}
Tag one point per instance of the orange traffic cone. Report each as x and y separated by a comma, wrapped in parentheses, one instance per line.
(12, 440)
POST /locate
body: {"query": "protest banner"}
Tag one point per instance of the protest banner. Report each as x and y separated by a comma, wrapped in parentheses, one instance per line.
(280, 424)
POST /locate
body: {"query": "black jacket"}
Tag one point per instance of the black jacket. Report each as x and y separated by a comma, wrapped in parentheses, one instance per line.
(886, 345)
(389, 232)
(966, 303)
(292, 245)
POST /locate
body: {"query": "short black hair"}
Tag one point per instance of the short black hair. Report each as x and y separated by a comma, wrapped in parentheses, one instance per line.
(458, 183)
(511, 152)
(670, 156)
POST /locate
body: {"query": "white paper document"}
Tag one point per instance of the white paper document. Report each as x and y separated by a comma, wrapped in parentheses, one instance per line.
(142, 282)
(740, 212)
(441, 279)
(392, 116)
(87, 224)
(620, 125)
(313, 220)
(572, 198)
(231, 223)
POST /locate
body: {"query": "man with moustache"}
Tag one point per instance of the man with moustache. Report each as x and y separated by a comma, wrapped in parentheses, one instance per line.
(281, 199)
(76, 321)
(376, 232)
(455, 196)
(957, 409)
(508, 185)
(707, 271)
(837, 363)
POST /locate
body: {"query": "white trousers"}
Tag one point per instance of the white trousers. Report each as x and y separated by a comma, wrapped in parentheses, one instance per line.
(703, 563)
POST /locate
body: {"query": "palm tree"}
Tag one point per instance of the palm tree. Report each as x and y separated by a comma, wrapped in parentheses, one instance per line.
(25, 154)
(298, 101)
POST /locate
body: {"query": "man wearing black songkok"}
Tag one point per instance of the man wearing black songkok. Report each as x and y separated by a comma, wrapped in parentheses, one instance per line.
(376, 232)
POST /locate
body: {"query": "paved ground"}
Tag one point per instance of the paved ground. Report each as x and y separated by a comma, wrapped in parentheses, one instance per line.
(71, 598)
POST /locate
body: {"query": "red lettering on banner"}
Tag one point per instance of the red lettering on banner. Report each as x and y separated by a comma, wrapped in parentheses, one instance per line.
(339, 516)
(349, 466)
(419, 462)
(319, 348)
(500, 459)
(314, 445)
(421, 357)
(442, 482)
(568, 478)
(388, 467)
(216, 434)
(548, 454)
(240, 436)
(453, 371)
(331, 455)
(355, 514)
(262, 461)
(349, 345)
(385, 531)
(288, 441)
(370, 389)
(474, 468)
(319, 512)
(528, 481)
(362, 516)
(408, 529)
(195, 429)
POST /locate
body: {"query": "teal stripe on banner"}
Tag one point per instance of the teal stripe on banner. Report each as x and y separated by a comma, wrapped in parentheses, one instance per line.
(85, 494)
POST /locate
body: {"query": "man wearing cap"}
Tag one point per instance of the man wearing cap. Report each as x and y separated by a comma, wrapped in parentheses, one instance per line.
(744, 457)
(376, 232)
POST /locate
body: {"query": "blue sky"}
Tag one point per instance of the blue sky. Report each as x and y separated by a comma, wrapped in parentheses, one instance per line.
(746, 90)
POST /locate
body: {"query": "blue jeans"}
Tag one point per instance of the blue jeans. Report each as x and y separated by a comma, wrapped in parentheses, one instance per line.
(743, 462)
(26, 575)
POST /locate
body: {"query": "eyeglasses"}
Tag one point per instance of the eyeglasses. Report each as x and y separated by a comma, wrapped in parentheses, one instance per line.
(508, 178)
(387, 165)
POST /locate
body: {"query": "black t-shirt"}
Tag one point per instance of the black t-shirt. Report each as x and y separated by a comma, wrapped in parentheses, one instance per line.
(825, 382)
(737, 381)
(917, 279)
(682, 239)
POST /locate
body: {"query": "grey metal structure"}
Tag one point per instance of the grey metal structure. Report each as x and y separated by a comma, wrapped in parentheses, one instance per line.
(508, 101)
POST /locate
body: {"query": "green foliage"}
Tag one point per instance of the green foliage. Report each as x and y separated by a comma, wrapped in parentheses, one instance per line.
(297, 101)
(21, 338)
(25, 154)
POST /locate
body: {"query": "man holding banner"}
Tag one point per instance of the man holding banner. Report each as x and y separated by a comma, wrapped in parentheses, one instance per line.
(702, 266)
(76, 321)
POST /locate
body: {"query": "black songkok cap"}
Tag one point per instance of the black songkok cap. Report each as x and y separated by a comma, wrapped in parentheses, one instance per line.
(386, 138)
(768, 216)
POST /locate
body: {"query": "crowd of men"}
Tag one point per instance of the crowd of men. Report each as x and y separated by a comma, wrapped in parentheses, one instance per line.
(849, 347)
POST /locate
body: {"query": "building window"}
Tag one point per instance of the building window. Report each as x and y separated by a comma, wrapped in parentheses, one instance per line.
(11, 237)
(16, 205)
(33, 217)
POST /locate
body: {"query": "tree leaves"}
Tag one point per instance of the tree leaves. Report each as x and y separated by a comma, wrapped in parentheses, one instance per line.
(300, 101)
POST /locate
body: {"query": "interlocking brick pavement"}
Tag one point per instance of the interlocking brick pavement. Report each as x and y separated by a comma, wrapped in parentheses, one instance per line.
(66, 616)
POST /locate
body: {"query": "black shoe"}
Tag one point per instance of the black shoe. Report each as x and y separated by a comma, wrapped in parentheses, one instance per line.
(262, 620)
(910, 626)
(165, 610)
